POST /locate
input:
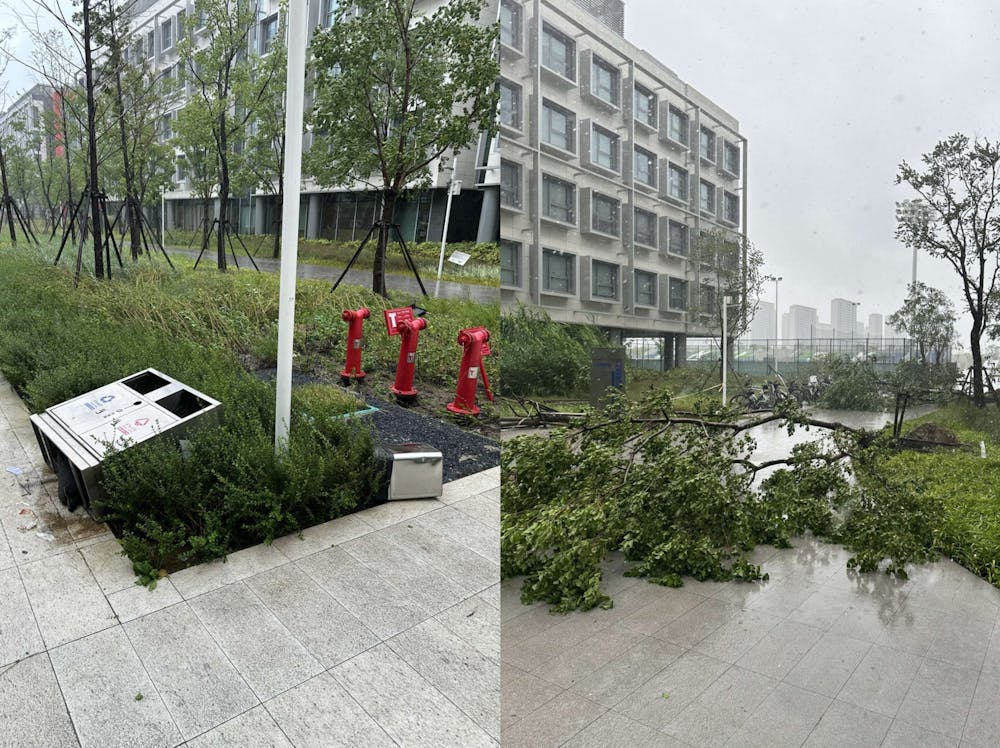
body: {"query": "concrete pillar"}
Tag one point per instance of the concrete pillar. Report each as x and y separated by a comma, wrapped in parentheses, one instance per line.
(667, 358)
(489, 216)
(259, 211)
(681, 359)
(170, 211)
(313, 214)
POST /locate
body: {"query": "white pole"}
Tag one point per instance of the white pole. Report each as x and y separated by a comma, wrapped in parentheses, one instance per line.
(725, 328)
(294, 94)
(447, 218)
(163, 214)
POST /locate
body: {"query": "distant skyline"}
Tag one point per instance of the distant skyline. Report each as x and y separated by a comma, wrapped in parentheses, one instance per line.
(831, 97)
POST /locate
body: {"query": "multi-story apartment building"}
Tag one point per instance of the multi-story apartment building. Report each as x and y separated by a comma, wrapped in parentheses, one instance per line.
(344, 213)
(876, 326)
(25, 120)
(611, 168)
(763, 324)
(799, 323)
(844, 317)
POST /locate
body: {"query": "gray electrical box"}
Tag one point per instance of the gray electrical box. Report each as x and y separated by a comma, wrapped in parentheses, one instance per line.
(76, 435)
(411, 470)
(607, 369)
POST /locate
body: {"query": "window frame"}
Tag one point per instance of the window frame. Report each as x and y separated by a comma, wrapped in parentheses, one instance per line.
(683, 284)
(509, 246)
(653, 224)
(516, 108)
(707, 144)
(683, 178)
(568, 70)
(734, 150)
(684, 231)
(597, 223)
(549, 181)
(653, 287)
(651, 162)
(652, 115)
(550, 107)
(676, 114)
(614, 282)
(614, 89)
(512, 190)
(712, 202)
(264, 42)
(516, 27)
(730, 199)
(568, 260)
(614, 142)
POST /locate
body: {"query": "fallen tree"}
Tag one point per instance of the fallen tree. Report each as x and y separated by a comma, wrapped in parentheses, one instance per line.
(680, 496)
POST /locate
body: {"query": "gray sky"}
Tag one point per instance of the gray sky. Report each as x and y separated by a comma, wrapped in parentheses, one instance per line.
(831, 96)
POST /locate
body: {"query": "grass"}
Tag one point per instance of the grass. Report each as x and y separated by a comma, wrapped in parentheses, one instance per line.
(482, 269)
(966, 485)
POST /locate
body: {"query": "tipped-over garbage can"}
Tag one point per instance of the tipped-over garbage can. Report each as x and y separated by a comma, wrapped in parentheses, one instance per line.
(76, 435)
(410, 470)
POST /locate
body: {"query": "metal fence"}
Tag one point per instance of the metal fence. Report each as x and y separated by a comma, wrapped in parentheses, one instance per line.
(788, 358)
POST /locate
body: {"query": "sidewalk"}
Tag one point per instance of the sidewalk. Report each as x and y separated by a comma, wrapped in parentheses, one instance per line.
(817, 656)
(379, 628)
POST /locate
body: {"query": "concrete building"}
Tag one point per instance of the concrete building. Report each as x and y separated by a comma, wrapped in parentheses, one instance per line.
(799, 323)
(26, 120)
(345, 213)
(762, 327)
(876, 326)
(844, 318)
(611, 168)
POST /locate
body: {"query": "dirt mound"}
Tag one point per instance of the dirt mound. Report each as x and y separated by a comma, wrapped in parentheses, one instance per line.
(931, 432)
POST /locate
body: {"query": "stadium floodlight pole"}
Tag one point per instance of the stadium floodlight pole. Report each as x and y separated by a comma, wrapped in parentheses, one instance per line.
(294, 96)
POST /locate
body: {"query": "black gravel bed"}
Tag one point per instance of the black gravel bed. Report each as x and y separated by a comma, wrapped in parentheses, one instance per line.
(464, 452)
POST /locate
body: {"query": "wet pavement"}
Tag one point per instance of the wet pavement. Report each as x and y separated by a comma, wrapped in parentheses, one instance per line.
(818, 655)
(379, 628)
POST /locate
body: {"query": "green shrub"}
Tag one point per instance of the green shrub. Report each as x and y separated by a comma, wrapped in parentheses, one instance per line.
(854, 386)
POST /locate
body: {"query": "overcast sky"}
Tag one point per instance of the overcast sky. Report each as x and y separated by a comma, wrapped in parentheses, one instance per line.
(831, 96)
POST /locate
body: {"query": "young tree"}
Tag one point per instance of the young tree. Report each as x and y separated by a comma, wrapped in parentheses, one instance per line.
(959, 185)
(395, 91)
(221, 72)
(928, 317)
(193, 138)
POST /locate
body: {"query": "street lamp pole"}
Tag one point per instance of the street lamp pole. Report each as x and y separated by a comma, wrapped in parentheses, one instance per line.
(776, 279)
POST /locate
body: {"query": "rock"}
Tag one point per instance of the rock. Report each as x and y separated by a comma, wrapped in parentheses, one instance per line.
(932, 432)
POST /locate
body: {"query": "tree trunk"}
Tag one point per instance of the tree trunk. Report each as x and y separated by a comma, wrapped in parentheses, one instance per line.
(5, 209)
(279, 203)
(206, 205)
(389, 198)
(975, 341)
(223, 194)
(95, 203)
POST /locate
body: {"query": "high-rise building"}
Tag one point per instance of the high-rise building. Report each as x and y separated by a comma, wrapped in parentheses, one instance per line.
(844, 318)
(343, 213)
(875, 326)
(762, 326)
(611, 169)
(799, 323)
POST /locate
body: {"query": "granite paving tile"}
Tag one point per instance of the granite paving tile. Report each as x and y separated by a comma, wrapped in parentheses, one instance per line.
(253, 728)
(19, 634)
(32, 711)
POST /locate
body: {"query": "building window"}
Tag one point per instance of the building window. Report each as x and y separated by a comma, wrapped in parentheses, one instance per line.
(605, 215)
(644, 103)
(645, 167)
(605, 81)
(150, 45)
(268, 33)
(706, 196)
(510, 263)
(558, 126)
(677, 182)
(707, 299)
(678, 294)
(510, 104)
(677, 238)
(645, 288)
(731, 158)
(558, 53)
(166, 34)
(558, 271)
(510, 184)
(510, 24)
(329, 9)
(731, 207)
(181, 15)
(165, 128)
(558, 199)
(678, 126)
(706, 144)
(603, 280)
(604, 148)
(644, 227)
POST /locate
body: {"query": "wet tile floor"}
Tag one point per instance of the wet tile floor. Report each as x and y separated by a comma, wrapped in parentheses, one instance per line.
(816, 656)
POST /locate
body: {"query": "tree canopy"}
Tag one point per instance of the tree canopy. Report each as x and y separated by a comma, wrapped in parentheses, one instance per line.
(928, 317)
(395, 91)
(958, 184)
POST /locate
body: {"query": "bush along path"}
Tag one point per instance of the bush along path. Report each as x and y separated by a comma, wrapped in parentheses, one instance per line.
(210, 330)
(677, 496)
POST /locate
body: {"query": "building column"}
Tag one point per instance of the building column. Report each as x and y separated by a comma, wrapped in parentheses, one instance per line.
(313, 214)
(681, 356)
(170, 211)
(259, 211)
(489, 216)
(667, 354)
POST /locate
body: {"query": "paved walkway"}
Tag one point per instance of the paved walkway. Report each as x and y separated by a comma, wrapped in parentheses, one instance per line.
(376, 629)
(817, 656)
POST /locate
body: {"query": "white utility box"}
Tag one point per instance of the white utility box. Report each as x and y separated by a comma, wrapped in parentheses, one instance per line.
(411, 471)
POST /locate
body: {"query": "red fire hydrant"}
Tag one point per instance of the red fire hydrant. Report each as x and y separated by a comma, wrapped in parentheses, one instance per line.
(475, 341)
(401, 322)
(355, 319)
